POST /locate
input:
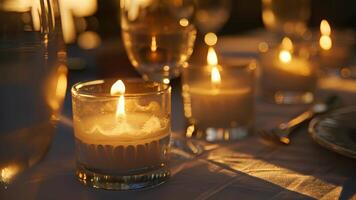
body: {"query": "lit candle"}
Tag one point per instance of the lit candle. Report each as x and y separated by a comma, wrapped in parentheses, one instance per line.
(286, 71)
(218, 98)
(112, 140)
(332, 54)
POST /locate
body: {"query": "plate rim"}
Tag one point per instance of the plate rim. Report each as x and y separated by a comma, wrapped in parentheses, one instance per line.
(327, 144)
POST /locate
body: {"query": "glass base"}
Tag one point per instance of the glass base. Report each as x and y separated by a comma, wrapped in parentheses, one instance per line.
(287, 97)
(118, 182)
(160, 76)
(217, 134)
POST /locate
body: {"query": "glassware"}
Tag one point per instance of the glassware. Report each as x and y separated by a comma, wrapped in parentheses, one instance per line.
(33, 80)
(286, 17)
(288, 73)
(80, 29)
(122, 139)
(158, 36)
(219, 110)
(211, 15)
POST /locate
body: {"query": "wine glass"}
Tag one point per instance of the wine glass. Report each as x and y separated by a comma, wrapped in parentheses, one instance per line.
(211, 15)
(158, 36)
(286, 17)
(33, 82)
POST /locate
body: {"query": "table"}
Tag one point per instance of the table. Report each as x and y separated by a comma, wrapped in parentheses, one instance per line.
(247, 169)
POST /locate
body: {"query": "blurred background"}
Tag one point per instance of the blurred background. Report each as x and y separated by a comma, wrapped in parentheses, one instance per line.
(246, 15)
(91, 24)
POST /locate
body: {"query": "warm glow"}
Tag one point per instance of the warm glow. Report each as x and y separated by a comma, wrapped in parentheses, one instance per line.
(268, 18)
(83, 8)
(212, 57)
(210, 39)
(133, 7)
(154, 44)
(184, 22)
(7, 173)
(166, 81)
(287, 44)
(285, 56)
(119, 88)
(325, 27)
(215, 75)
(56, 87)
(89, 40)
(325, 42)
(74, 10)
(16, 5)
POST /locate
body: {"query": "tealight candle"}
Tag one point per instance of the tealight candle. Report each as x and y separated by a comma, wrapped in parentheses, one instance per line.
(218, 100)
(287, 74)
(121, 136)
(334, 48)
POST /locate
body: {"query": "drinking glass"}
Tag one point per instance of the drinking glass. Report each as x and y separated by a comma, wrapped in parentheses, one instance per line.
(211, 15)
(33, 80)
(158, 36)
(286, 17)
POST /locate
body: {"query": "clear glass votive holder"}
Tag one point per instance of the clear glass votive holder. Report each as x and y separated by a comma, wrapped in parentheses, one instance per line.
(219, 112)
(288, 76)
(121, 140)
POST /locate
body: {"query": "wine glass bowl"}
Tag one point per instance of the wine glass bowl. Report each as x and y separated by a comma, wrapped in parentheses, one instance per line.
(158, 37)
(286, 17)
(211, 15)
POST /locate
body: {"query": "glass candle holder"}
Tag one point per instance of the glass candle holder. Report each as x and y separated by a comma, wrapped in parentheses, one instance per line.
(121, 141)
(222, 111)
(288, 76)
(336, 57)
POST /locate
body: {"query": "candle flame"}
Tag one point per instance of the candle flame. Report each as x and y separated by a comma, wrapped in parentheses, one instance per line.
(212, 60)
(119, 88)
(325, 42)
(212, 57)
(154, 44)
(325, 28)
(287, 44)
(285, 56)
(215, 75)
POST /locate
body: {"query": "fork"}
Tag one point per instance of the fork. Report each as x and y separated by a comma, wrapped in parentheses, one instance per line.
(281, 133)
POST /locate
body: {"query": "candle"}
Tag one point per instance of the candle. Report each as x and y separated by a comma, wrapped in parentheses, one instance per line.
(218, 100)
(118, 137)
(287, 74)
(332, 53)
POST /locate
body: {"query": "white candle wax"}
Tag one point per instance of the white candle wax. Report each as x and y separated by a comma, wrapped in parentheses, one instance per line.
(109, 143)
(221, 107)
(296, 75)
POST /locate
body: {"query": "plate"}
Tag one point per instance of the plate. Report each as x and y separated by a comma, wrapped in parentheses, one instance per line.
(336, 131)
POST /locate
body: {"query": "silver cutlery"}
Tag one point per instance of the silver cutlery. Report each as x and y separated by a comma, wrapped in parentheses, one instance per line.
(282, 133)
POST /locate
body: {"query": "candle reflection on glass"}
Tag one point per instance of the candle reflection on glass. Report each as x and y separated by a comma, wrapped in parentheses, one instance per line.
(287, 74)
(121, 138)
(218, 99)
